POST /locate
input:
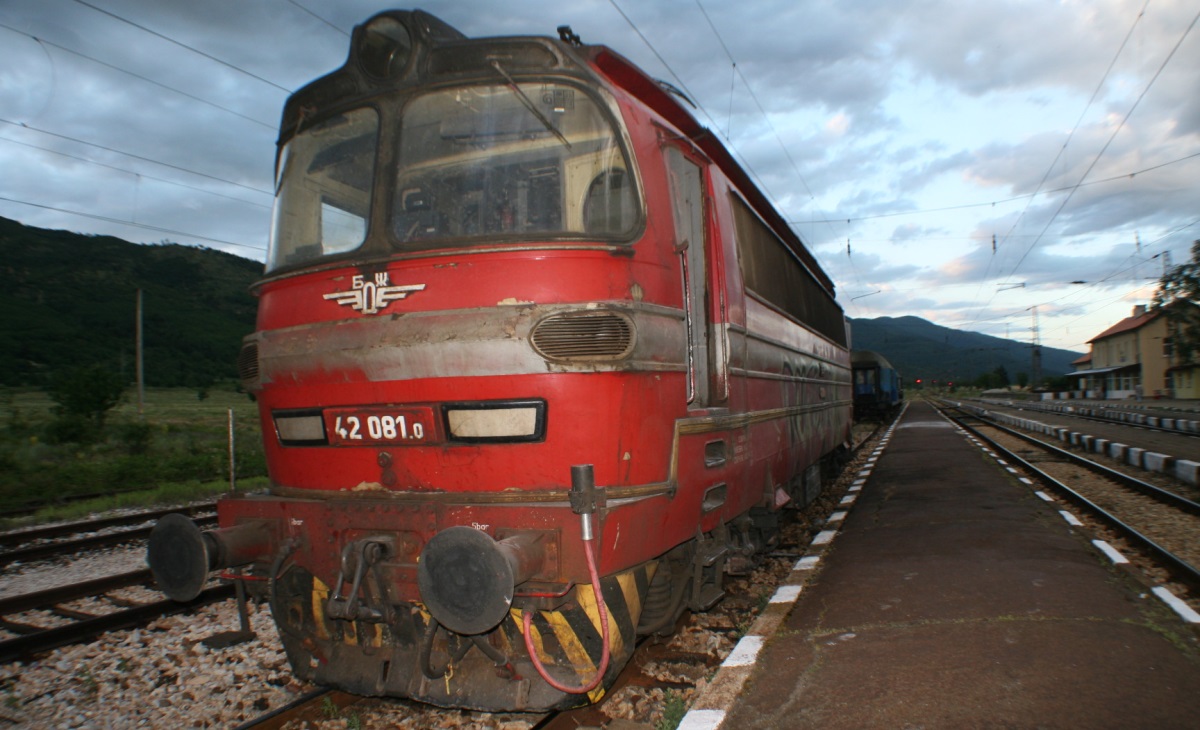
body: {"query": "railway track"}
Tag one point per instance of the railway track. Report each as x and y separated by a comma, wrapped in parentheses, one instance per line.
(48, 532)
(44, 620)
(38, 621)
(25, 509)
(43, 550)
(1110, 416)
(1159, 525)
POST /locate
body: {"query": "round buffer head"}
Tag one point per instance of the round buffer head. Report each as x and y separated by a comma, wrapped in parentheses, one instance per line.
(465, 580)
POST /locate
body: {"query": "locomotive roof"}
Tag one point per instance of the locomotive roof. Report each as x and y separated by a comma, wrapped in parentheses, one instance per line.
(439, 51)
(624, 74)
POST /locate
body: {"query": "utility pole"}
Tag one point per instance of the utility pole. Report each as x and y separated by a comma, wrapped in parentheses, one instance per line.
(138, 337)
(1035, 376)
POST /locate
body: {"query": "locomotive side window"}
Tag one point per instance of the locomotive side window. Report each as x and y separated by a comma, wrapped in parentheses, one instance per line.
(531, 160)
(324, 190)
(687, 207)
(773, 272)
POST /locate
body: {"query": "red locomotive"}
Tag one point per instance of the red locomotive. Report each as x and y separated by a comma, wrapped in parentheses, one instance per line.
(537, 365)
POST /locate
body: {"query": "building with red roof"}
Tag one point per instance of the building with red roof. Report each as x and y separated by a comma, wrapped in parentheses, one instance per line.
(1135, 358)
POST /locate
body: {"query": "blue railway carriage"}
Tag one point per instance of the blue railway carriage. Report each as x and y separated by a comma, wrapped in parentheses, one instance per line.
(878, 390)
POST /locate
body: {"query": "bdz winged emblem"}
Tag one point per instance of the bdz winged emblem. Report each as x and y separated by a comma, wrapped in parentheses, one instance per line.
(369, 297)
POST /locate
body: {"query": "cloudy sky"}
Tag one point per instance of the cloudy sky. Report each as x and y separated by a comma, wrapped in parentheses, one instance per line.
(972, 163)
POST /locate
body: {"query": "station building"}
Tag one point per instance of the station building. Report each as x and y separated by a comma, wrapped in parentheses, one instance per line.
(1136, 358)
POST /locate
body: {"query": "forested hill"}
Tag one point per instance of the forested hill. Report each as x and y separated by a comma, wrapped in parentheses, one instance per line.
(922, 349)
(69, 300)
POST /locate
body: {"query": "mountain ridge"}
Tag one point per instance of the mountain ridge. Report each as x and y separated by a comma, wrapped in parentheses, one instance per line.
(70, 299)
(922, 349)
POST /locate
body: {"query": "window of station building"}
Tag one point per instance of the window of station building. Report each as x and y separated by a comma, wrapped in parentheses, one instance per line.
(323, 192)
(773, 272)
(527, 161)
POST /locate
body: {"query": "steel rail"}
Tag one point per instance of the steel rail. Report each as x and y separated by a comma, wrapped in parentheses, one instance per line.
(1123, 422)
(1165, 496)
(18, 537)
(310, 705)
(1183, 570)
(25, 647)
(1031, 408)
(68, 547)
(71, 592)
(22, 509)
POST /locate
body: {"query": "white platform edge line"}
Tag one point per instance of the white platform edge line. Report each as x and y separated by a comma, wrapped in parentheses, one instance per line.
(745, 653)
(1178, 606)
(1110, 551)
(1070, 518)
(702, 720)
(787, 594)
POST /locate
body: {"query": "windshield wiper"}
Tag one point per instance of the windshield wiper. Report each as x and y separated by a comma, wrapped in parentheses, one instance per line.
(530, 105)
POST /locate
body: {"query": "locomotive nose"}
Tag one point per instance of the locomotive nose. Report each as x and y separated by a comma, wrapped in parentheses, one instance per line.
(467, 579)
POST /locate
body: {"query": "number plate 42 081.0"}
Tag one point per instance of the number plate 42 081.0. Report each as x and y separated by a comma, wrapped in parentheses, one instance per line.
(392, 426)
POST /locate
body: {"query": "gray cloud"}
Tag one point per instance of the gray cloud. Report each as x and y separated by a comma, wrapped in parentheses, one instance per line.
(894, 116)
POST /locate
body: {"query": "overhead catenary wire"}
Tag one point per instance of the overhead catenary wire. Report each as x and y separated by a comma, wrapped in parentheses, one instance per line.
(133, 172)
(683, 85)
(1071, 135)
(1071, 190)
(761, 110)
(137, 157)
(197, 51)
(318, 17)
(1001, 201)
(147, 79)
(134, 224)
(1113, 136)
(745, 163)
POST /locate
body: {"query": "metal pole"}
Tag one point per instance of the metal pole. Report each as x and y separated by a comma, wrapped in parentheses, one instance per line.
(141, 395)
(232, 470)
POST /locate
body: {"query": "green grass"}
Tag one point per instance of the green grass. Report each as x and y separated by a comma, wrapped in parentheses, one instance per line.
(674, 708)
(177, 450)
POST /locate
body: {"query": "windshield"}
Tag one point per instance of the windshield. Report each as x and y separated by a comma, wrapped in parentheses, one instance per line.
(532, 160)
(324, 193)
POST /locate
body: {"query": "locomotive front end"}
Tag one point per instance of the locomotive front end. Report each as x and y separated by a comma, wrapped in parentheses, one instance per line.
(449, 298)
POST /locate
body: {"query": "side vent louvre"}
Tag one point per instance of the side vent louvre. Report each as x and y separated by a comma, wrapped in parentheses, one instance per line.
(584, 336)
(247, 362)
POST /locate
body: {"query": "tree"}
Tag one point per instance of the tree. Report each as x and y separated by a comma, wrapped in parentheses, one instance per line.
(84, 394)
(997, 378)
(1178, 296)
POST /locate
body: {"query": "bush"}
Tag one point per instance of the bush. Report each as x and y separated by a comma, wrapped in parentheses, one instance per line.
(135, 437)
(85, 393)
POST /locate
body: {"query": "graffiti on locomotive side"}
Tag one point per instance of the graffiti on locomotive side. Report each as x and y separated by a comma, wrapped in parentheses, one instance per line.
(371, 296)
(808, 396)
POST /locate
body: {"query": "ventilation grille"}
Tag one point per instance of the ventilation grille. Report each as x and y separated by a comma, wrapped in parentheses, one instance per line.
(247, 362)
(584, 336)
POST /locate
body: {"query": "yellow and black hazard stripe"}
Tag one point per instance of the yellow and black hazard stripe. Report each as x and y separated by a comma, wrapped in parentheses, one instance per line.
(568, 638)
(571, 636)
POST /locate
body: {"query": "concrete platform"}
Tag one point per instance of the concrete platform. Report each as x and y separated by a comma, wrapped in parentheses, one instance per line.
(954, 597)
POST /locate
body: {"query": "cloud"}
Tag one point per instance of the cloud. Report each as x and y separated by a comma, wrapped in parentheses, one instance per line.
(915, 130)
